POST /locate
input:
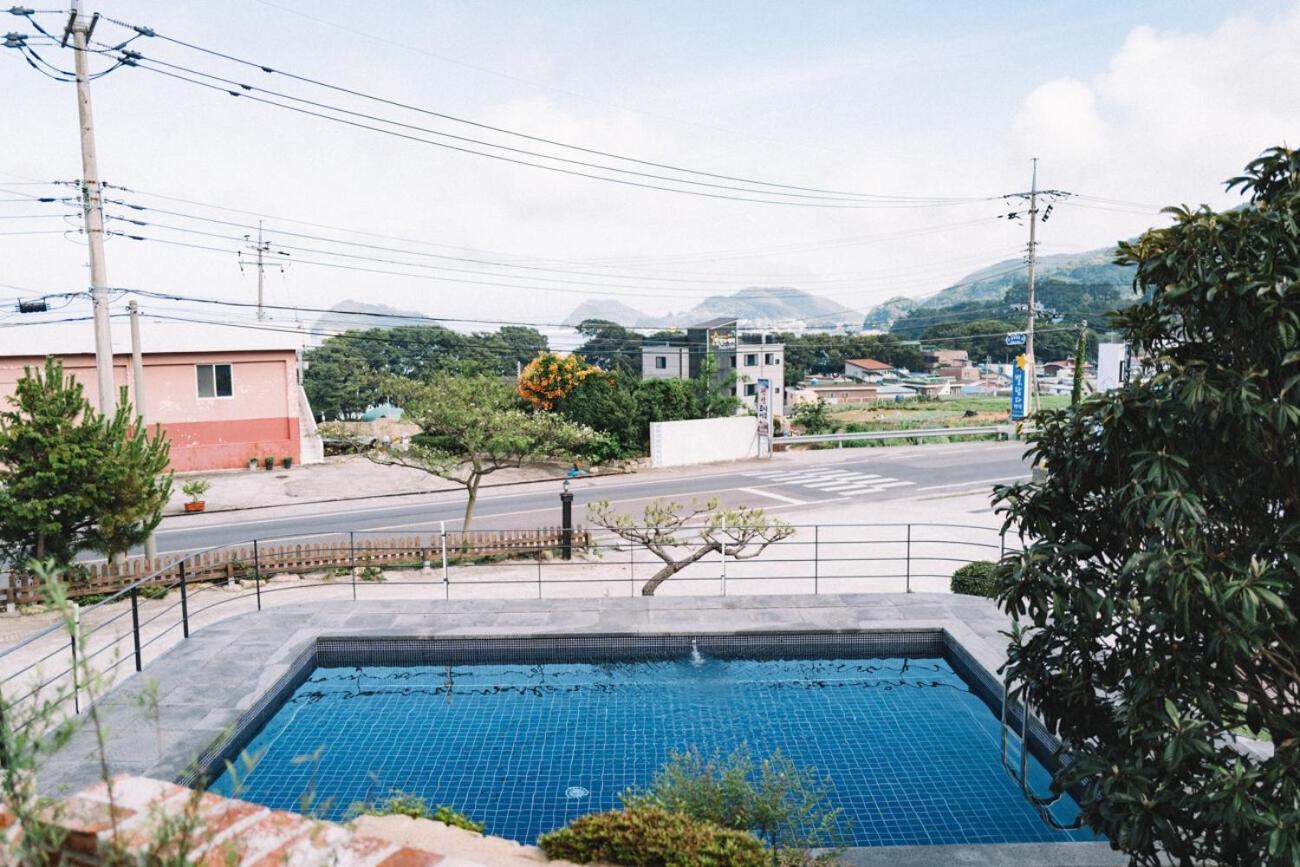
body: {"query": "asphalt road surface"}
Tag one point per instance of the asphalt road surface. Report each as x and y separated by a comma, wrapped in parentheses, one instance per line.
(788, 482)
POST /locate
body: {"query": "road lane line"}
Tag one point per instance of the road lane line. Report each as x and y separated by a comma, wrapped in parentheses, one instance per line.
(974, 482)
(791, 500)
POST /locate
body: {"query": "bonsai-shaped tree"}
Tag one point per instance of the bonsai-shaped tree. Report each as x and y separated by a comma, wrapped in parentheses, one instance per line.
(472, 426)
(72, 479)
(666, 528)
(1155, 605)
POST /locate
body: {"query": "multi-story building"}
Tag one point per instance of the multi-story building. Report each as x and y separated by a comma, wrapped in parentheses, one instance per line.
(718, 344)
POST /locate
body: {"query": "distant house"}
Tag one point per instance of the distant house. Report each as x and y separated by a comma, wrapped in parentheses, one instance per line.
(222, 395)
(962, 374)
(936, 358)
(868, 369)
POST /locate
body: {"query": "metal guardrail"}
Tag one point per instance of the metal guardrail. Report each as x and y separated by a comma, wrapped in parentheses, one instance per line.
(818, 558)
(984, 430)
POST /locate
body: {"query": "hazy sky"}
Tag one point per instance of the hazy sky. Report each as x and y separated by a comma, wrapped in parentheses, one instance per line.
(1144, 102)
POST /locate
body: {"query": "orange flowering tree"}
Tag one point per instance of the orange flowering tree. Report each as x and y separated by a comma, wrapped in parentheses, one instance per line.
(550, 377)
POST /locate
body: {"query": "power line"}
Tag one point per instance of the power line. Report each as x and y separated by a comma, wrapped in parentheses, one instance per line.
(444, 257)
(515, 133)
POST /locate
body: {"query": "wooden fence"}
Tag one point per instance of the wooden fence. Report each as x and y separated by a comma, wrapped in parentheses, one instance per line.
(236, 563)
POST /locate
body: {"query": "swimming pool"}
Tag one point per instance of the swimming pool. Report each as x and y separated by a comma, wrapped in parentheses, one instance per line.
(525, 741)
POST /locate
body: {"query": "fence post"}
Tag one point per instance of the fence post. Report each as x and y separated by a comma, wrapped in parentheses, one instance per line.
(631, 567)
(185, 604)
(352, 549)
(539, 565)
(723, 549)
(135, 624)
(257, 575)
(909, 558)
(446, 577)
(816, 561)
(76, 633)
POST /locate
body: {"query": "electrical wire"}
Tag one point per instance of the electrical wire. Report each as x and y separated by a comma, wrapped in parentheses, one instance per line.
(150, 32)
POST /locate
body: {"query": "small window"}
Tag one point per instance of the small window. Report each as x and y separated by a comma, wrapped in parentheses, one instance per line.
(751, 359)
(769, 358)
(661, 362)
(214, 380)
(750, 389)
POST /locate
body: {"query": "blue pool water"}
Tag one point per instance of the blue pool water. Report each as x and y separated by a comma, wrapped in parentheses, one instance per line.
(911, 753)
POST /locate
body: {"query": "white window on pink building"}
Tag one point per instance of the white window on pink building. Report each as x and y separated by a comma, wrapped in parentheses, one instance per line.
(214, 380)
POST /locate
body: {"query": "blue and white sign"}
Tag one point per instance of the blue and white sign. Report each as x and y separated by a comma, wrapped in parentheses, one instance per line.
(1016, 338)
(1018, 389)
(763, 399)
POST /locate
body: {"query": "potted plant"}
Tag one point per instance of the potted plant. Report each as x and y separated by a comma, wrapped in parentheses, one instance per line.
(268, 462)
(195, 489)
(287, 460)
(252, 463)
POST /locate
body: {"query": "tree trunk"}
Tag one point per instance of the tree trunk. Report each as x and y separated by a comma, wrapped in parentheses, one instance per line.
(471, 497)
(673, 567)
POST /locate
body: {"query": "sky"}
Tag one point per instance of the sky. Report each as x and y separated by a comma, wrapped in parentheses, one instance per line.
(1131, 105)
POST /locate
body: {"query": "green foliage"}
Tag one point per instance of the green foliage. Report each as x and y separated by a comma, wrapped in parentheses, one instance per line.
(472, 426)
(976, 579)
(195, 489)
(1155, 604)
(814, 418)
(346, 374)
(611, 347)
(784, 805)
(404, 804)
(666, 527)
(1080, 348)
(652, 837)
(371, 573)
(72, 479)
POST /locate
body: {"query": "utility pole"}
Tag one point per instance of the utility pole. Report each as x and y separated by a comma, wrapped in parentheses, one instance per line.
(137, 377)
(93, 209)
(1032, 374)
(260, 249)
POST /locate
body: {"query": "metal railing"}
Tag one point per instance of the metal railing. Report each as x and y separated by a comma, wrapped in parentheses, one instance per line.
(1000, 430)
(814, 559)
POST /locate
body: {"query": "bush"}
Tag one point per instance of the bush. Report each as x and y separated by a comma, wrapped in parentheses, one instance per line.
(402, 804)
(652, 837)
(787, 807)
(976, 579)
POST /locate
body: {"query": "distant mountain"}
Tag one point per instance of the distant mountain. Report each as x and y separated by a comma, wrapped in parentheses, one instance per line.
(882, 316)
(771, 305)
(992, 283)
(373, 316)
(755, 306)
(610, 311)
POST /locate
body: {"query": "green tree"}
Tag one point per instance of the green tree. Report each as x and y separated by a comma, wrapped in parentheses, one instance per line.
(1155, 605)
(814, 418)
(665, 528)
(472, 426)
(607, 403)
(610, 346)
(72, 479)
(1080, 359)
(339, 381)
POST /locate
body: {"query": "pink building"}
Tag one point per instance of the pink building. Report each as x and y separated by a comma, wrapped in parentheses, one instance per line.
(222, 395)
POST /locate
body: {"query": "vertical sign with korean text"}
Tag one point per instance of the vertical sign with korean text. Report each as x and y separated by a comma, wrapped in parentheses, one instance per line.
(763, 397)
(1018, 389)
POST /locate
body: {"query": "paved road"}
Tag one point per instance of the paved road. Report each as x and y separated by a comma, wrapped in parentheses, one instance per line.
(785, 484)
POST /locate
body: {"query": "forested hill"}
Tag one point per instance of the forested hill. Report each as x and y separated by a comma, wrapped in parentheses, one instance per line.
(1094, 268)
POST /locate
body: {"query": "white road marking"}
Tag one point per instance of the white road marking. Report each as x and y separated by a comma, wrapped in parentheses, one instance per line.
(791, 500)
(974, 482)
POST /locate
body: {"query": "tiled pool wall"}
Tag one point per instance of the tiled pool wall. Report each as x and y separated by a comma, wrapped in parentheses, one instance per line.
(331, 652)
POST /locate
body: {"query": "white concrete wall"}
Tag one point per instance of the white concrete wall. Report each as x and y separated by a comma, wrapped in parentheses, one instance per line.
(702, 441)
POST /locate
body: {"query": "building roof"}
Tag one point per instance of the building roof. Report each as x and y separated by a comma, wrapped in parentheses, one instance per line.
(156, 336)
(868, 364)
(716, 322)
